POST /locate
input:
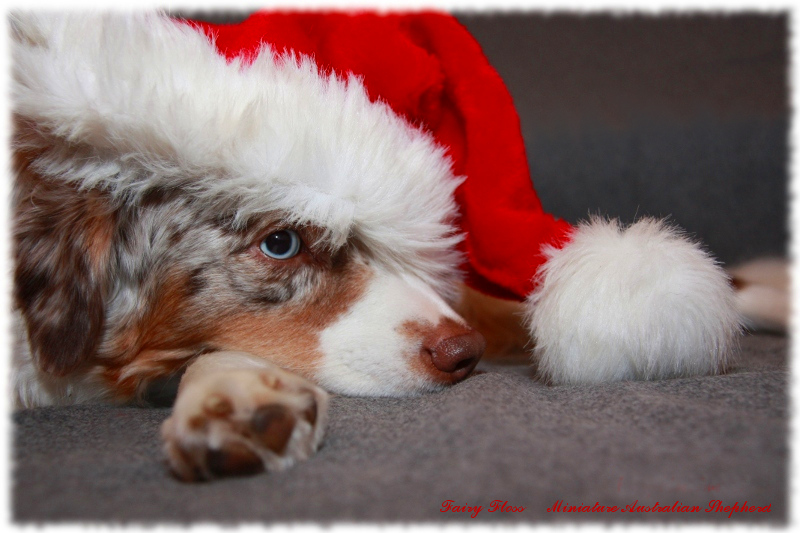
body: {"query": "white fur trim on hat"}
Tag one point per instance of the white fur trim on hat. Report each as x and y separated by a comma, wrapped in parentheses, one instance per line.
(129, 102)
(637, 302)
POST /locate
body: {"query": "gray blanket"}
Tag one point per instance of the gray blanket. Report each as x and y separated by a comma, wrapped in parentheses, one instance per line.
(498, 436)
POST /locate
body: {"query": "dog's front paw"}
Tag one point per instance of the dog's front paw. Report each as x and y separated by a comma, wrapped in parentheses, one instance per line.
(243, 421)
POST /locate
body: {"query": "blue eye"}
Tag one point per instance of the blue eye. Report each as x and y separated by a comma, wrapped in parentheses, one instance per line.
(283, 244)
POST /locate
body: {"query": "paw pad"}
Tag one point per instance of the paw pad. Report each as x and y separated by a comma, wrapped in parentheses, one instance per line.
(234, 458)
(273, 426)
(217, 405)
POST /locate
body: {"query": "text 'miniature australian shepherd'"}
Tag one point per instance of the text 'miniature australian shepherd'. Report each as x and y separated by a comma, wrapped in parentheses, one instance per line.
(269, 230)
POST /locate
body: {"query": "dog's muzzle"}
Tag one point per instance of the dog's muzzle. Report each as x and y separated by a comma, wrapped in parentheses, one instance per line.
(399, 338)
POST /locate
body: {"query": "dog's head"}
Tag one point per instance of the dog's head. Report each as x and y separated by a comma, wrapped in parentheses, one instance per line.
(169, 202)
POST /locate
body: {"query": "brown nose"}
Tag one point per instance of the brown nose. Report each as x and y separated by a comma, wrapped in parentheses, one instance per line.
(457, 355)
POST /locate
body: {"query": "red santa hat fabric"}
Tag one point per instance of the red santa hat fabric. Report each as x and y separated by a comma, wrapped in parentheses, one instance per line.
(432, 72)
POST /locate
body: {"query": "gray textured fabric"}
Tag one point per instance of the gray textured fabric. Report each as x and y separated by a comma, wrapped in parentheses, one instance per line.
(681, 115)
(499, 435)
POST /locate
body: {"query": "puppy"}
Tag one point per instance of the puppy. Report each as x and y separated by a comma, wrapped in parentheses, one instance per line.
(122, 279)
(269, 230)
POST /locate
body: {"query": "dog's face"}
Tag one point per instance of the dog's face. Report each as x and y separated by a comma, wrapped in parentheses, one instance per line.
(335, 315)
(167, 279)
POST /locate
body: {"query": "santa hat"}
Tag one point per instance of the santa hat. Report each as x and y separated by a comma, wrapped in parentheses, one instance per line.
(369, 125)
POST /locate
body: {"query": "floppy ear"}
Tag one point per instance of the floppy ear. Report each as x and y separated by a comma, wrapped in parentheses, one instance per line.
(63, 242)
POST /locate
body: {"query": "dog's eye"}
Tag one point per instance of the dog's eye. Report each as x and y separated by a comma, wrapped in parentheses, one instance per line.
(283, 244)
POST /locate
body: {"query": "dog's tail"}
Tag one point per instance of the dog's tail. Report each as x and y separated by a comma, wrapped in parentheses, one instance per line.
(763, 293)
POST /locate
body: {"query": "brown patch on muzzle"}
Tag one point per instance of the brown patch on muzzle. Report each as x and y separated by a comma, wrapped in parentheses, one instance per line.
(449, 350)
(289, 335)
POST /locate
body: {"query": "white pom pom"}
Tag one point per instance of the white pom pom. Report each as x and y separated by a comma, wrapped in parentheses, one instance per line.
(637, 302)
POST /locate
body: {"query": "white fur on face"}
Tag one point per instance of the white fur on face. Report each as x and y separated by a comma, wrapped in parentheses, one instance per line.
(365, 351)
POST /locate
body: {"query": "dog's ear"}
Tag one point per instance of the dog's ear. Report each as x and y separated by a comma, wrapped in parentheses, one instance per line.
(63, 240)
